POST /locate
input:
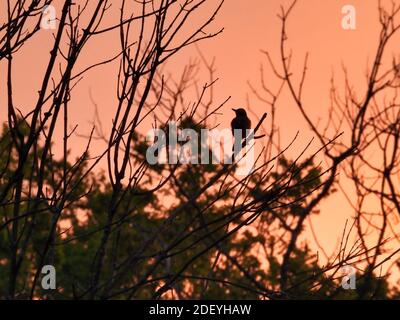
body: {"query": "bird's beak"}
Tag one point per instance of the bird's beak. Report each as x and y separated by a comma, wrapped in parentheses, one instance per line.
(234, 109)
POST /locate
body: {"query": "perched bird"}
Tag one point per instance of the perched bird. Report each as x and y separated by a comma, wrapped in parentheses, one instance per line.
(241, 122)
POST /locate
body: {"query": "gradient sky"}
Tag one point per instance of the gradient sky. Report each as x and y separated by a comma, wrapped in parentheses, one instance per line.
(249, 26)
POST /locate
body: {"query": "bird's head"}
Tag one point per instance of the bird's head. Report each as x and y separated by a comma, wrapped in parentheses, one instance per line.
(240, 112)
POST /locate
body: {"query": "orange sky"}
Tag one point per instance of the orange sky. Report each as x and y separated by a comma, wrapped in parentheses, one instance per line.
(314, 27)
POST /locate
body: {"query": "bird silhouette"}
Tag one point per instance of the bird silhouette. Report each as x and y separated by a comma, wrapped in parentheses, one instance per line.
(240, 122)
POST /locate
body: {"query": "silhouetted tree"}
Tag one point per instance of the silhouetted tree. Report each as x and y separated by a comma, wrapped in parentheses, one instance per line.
(129, 229)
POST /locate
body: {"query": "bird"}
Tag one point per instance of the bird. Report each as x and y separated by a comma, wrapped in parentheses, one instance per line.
(240, 122)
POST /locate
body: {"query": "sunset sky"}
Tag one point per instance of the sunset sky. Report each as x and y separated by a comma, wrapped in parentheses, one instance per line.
(249, 27)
